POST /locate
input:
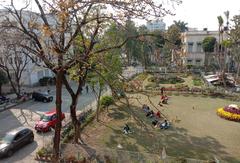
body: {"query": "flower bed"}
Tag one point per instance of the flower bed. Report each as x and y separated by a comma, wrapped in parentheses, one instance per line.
(231, 110)
(228, 115)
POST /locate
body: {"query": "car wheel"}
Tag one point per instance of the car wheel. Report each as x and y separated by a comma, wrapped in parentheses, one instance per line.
(49, 129)
(44, 100)
(9, 153)
(31, 139)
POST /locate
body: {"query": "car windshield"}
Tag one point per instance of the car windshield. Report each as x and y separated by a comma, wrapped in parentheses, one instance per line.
(45, 118)
(8, 138)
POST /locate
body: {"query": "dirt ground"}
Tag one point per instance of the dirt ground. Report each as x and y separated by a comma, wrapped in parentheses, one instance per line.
(196, 131)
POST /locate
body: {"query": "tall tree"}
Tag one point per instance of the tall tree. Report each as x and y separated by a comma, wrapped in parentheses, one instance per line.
(235, 38)
(181, 25)
(13, 58)
(131, 48)
(59, 24)
(208, 45)
(173, 37)
(220, 50)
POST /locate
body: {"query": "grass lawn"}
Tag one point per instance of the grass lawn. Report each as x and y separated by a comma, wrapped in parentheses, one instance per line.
(196, 132)
(187, 81)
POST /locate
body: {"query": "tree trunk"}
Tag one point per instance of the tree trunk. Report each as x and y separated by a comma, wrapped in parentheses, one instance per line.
(75, 121)
(12, 84)
(0, 89)
(98, 103)
(56, 145)
(238, 69)
(18, 89)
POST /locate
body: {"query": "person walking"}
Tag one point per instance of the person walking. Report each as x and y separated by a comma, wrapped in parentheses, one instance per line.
(86, 88)
(162, 91)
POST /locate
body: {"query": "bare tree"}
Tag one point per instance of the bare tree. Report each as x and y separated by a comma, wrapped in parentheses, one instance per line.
(13, 59)
(58, 24)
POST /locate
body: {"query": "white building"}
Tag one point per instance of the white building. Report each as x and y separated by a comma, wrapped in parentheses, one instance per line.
(156, 25)
(32, 72)
(192, 50)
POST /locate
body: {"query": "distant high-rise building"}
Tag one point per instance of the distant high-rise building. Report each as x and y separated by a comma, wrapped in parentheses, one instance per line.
(156, 25)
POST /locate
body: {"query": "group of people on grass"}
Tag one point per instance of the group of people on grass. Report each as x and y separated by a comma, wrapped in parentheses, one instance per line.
(156, 118)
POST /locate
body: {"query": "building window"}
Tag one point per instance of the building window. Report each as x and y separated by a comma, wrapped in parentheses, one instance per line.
(189, 61)
(199, 47)
(198, 61)
(190, 47)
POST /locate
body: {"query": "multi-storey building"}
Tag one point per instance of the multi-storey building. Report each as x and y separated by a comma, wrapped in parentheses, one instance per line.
(192, 50)
(156, 25)
(34, 69)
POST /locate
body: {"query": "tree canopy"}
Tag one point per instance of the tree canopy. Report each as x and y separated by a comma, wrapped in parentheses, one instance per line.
(208, 44)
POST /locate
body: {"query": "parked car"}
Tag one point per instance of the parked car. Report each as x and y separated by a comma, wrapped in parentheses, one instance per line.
(47, 121)
(44, 97)
(15, 140)
(4, 99)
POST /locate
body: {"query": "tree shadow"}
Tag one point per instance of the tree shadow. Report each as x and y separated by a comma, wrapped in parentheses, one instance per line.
(177, 141)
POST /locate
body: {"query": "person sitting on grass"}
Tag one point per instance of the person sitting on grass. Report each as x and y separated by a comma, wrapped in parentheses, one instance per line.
(146, 108)
(150, 114)
(164, 99)
(126, 129)
(158, 114)
(164, 125)
(154, 122)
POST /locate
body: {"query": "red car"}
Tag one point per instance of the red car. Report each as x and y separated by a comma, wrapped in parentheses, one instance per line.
(47, 121)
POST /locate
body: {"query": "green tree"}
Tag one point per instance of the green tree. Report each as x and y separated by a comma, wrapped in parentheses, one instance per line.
(59, 24)
(235, 38)
(181, 25)
(131, 46)
(104, 74)
(3, 80)
(173, 37)
(208, 45)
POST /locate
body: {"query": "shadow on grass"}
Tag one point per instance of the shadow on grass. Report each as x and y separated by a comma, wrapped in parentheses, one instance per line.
(177, 141)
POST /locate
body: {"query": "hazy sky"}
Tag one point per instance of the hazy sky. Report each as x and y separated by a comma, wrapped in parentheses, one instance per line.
(197, 13)
(203, 13)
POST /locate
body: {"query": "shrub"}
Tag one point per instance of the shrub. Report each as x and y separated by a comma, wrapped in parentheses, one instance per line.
(167, 80)
(142, 76)
(106, 101)
(46, 80)
(151, 85)
(197, 82)
(42, 152)
(182, 87)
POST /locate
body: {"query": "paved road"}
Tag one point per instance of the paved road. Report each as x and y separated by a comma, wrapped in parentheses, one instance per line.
(27, 114)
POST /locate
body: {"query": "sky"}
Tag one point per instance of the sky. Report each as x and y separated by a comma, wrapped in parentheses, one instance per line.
(203, 13)
(197, 13)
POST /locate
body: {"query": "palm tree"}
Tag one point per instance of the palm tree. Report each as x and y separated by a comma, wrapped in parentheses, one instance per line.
(181, 25)
(220, 49)
(236, 56)
(226, 13)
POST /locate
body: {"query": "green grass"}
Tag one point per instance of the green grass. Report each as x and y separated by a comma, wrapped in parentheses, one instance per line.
(196, 132)
(197, 82)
